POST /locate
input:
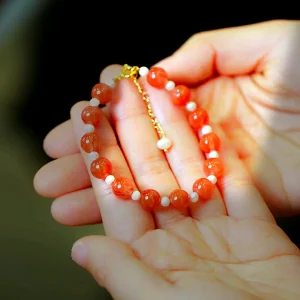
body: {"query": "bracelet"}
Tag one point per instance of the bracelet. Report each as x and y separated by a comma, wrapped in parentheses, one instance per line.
(198, 118)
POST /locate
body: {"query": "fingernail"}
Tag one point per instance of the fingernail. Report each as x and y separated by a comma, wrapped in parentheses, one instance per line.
(79, 253)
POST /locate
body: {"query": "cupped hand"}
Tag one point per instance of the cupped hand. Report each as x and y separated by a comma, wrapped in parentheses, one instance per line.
(248, 80)
(228, 247)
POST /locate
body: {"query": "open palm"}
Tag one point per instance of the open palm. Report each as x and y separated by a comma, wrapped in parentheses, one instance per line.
(219, 258)
(249, 83)
(248, 80)
(226, 248)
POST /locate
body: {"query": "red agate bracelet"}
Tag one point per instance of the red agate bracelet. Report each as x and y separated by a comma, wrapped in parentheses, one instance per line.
(123, 188)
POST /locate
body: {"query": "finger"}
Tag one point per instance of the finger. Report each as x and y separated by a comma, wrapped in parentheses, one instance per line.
(230, 51)
(60, 141)
(61, 176)
(114, 266)
(109, 73)
(76, 208)
(138, 139)
(241, 197)
(185, 158)
(134, 220)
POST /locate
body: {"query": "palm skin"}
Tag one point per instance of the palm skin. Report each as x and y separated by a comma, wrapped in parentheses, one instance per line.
(266, 135)
(223, 258)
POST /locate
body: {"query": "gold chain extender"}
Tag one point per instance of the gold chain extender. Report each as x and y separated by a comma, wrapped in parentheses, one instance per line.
(129, 72)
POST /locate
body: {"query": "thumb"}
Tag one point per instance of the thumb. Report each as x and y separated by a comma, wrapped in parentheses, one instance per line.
(114, 266)
(229, 52)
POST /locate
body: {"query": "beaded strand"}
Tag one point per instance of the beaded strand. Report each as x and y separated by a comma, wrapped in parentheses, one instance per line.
(198, 118)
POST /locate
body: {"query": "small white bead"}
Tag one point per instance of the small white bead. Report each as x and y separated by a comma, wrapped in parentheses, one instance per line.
(170, 85)
(194, 197)
(206, 130)
(94, 102)
(109, 179)
(112, 84)
(89, 128)
(136, 195)
(143, 71)
(212, 179)
(93, 155)
(164, 143)
(212, 154)
(191, 106)
(165, 201)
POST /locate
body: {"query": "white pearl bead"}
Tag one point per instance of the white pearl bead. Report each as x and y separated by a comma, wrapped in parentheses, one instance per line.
(165, 201)
(191, 106)
(143, 71)
(94, 102)
(164, 143)
(212, 154)
(206, 130)
(109, 179)
(194, 197)
(136, 195)
(170, 85)
(112, 84)
(89, 128)
(93, 156)
(212, 179)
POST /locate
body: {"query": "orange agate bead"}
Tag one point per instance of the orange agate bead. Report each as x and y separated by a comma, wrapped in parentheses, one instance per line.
(90, 142)
(179, 199)
(157, 77)
(150, 199)
(181, 95)
(204, 188)
(213, 166)
(91, 115)
(210, 142)
(103, 92)
(101, 168)
(123, 188)
(198, 118)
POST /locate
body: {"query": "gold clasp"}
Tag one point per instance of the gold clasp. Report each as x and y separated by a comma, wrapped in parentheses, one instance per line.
(128, 72)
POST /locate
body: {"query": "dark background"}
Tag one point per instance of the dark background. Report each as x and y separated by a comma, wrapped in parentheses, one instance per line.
(72, 42)
(77, 40)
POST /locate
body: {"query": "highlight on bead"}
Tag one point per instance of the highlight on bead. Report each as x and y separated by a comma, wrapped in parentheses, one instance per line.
(102, 92)
(101, 168)
(91, 115)
(181, 95)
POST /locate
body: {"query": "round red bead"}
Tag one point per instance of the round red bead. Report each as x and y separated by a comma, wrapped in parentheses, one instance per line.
(103, 92)
(123, 188)
(179, 199)
(101, 168)
(90, 142)
(210, 142)
(91, 115)
(150, 199)
(181, 95)
(213, 166)
(204, 188)
(157, 77)
(198, 118)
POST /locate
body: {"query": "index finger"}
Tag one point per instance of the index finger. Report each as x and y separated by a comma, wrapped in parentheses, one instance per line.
(125, 220)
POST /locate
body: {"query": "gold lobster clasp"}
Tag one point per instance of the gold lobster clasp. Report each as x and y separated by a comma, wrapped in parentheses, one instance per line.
(128, 72)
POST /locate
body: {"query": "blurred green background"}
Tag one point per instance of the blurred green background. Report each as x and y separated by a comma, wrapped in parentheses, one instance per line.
(35, 250)
(51, 53)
